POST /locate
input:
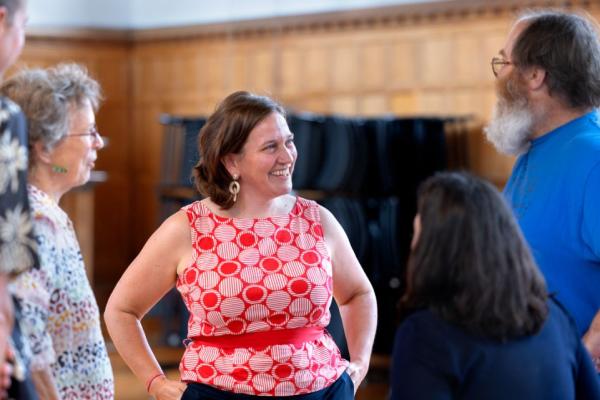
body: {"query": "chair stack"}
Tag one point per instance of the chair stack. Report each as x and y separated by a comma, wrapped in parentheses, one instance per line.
(366, 172)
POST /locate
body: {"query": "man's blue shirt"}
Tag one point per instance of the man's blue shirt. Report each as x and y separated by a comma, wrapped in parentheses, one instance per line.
(554, 191)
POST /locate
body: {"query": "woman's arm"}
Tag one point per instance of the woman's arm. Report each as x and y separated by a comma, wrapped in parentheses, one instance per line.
(44, 384)
(355, 297)
(149, 277)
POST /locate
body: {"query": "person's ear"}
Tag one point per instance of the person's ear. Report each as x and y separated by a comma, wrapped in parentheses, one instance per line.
(535, 78)
(41, 153)
(231, 162)
(3, 19)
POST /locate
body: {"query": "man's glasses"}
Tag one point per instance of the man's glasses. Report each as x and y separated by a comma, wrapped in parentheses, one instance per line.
(498, 63)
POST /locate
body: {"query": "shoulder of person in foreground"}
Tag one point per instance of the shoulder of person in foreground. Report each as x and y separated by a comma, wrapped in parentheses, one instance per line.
(423, 358)
(16, 248)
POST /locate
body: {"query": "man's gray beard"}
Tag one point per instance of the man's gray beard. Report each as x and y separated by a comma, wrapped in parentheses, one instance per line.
(510, 127)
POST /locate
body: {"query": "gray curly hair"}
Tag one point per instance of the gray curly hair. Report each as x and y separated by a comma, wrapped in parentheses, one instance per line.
(47, 96)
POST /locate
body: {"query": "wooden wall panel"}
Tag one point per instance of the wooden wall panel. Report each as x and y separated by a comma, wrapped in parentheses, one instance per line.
(374, 65)
(262, 70)
(434, 63)
(345, 71)
(437, 63)
(403, 64)
(404, 103)
(316, 67)
(372, 105)
(291, 72)
(438, 67)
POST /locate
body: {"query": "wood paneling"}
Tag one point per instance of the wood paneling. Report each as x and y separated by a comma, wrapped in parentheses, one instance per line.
(436, 64)
(415, 60)
(439, 67)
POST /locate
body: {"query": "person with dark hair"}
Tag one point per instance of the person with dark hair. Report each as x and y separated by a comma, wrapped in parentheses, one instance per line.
(17, 246)
(479, 323)
(548, 87)
(257, 268)
(60, 317)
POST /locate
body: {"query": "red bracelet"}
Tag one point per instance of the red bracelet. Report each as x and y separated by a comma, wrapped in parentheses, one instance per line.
(152, 380)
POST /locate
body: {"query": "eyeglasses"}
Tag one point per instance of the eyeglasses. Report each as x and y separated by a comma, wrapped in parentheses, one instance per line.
(498, 63)
(93, 134)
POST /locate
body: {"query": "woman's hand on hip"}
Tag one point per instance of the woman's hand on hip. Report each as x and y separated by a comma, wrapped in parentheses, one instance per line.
(166, 389)
(357, 372)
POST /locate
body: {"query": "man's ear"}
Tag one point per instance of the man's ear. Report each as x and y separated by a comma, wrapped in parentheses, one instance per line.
(230, 162)
(535, 78)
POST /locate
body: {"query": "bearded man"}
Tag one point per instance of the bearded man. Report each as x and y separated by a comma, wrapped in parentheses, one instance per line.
(548, 88)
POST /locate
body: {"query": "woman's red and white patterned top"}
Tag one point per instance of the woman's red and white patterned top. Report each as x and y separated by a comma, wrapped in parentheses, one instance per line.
(259, 275)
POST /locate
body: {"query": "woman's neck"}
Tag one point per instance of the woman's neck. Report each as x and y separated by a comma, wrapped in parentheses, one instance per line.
(42, 178)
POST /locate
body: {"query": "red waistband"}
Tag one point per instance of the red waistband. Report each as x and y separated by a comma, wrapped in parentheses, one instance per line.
(296, 337)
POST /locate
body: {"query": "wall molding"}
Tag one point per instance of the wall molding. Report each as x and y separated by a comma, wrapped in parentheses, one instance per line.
(378, 17)
(80, 34)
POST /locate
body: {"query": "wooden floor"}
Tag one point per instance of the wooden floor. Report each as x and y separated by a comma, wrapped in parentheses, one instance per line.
(127, 387)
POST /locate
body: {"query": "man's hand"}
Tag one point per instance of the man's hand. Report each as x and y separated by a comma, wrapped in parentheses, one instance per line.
(5, 373)
(591, 340)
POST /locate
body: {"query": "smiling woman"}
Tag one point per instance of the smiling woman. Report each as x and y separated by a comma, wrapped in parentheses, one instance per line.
(257, 268)
(60, 317)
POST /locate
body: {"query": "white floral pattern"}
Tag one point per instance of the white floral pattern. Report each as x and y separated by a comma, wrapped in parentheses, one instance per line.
(17, 248)
(13, 158)
(15, 231)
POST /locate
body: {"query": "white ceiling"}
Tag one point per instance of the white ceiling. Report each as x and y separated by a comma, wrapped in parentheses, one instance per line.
(143, 14)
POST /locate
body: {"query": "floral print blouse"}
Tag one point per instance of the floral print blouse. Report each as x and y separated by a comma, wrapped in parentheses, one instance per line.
(60, 317)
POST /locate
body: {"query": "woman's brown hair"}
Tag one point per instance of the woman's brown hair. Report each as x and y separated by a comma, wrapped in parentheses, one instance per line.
(226, 132)
(471, 265)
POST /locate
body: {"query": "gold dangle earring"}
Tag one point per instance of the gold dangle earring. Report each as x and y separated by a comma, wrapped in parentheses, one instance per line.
(234, 187)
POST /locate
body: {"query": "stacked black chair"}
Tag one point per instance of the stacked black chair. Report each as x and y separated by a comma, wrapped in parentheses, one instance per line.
(351, 215)
(179, 150)
(367, 172)
(309, 131)
(179, 155)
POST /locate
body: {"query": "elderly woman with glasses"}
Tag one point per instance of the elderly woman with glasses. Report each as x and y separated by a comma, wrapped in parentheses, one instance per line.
(60, 317)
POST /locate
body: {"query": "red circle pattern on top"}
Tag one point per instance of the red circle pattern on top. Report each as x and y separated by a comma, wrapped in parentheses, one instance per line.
(259, 275)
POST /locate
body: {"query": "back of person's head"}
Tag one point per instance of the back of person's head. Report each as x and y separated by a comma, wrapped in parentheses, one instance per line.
(13, 18)
(225, 132)
(470, 264)
(11, 7)
(567, 47)
(47, 97)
